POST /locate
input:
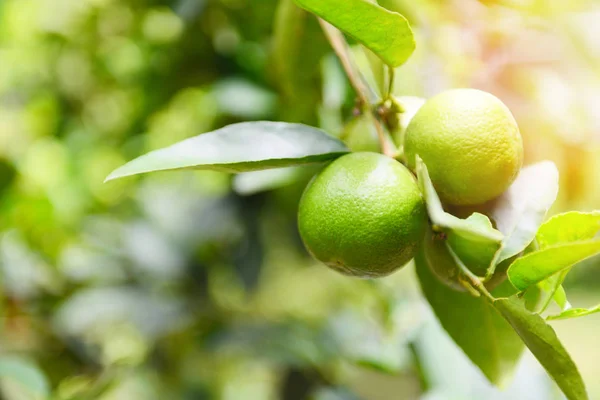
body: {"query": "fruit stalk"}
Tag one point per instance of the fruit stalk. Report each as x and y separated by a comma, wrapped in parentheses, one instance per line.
(473, 279)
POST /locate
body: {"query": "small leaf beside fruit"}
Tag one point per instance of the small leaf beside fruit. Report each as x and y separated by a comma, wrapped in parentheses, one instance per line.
(520, 211)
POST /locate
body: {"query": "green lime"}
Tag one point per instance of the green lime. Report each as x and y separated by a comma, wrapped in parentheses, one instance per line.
(470, 143)
(363, 215)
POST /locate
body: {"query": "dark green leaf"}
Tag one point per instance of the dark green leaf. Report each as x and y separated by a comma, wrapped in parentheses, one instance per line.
(15, 370)
(247, 146)
(474, 325)
(541, 339)
(575, 312)
(542, 264)
(387, 34)
(520, 211)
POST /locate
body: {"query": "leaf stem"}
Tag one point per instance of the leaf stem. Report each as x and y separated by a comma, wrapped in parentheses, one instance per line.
(491, 270)
(365, 95)
(474, 280)
(392, 77)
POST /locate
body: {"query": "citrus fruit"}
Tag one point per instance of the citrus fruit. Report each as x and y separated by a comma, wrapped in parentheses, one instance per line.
(363, 215)
(360, 135)
(470, 143)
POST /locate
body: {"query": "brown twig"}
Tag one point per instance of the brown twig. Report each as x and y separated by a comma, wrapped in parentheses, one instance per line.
(365, 95)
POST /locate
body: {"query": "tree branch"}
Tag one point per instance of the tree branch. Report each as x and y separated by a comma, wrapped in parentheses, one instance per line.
(365, 95)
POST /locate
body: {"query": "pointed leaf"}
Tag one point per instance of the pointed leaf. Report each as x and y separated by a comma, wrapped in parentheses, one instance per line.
(468, 229)
(542, 264)
(247, 146)
(541, 339)
(386, 33)
(520, 211)
(474, 325)
(568, 227)
(564, 228)
(560, 297)
(475, 253)
(575, 313)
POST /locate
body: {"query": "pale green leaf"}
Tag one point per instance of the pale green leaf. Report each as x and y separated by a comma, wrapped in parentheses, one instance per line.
(564, 228)
(24, 374)
(247, 146)
(568, 227)
(575, 313)
(560, 297)
(541, 339)
(470, 229)
(474, 325)
(386, 33)
(476, 254)
(520, 211)
(542, 264)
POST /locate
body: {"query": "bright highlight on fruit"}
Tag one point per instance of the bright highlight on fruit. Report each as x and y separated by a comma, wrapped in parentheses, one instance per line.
(470, 143)
(363, 215)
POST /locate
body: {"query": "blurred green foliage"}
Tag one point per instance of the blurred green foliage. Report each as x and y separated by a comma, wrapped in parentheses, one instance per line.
(178, 286)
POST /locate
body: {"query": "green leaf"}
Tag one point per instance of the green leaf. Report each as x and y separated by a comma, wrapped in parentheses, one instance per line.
(378, 70)
(474, 325)
(520, 211)
(564, 228)
(471, 229)
(575, 313)
(476, 253)
(541, 339)
(28, 378)
(560, 297)
(386, 33)
(542, 264)
(247, 146)
(568, 227)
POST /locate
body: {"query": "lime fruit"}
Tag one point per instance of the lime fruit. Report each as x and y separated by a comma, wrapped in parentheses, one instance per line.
(470, 143)
(363, 215)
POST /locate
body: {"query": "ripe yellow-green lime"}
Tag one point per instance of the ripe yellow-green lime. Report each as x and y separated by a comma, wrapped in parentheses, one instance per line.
(363, 215)
(470, 143)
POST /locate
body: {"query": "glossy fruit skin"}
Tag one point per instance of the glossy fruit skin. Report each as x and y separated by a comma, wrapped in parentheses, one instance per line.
(470, 143)
(363, 215)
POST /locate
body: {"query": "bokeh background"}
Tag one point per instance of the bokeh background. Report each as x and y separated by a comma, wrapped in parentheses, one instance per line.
(195, 285)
